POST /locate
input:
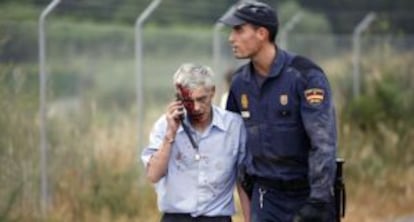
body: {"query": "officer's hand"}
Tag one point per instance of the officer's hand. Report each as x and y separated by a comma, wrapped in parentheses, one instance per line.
(175, 111)
(312, 211)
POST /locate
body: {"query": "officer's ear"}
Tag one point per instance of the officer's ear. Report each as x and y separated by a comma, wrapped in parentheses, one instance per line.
(263, 33)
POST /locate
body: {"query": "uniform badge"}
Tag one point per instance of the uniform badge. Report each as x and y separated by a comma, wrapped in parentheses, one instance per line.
(244, 101)
(314, 96)
(283, 99)
(245, 114)
(245, 106)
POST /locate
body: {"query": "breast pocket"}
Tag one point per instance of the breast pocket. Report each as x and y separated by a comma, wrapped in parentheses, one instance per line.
(253, 137)
(285, 131)
(286, 139)
(283, 108)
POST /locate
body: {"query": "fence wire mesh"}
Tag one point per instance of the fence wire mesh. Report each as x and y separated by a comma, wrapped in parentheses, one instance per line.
(91, 97)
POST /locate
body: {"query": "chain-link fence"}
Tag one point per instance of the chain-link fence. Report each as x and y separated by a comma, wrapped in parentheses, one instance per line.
(91, 100)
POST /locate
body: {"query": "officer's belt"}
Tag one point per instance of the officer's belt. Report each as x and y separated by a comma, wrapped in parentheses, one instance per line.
(298, 184)
(278, 160)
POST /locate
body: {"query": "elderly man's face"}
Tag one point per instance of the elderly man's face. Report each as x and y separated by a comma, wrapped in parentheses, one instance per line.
(197, 103)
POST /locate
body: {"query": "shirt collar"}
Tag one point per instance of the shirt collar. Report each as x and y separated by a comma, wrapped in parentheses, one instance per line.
(218, 118)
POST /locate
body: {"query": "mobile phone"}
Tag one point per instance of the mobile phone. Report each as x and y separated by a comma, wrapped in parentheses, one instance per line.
(186, 128)
(179, 98)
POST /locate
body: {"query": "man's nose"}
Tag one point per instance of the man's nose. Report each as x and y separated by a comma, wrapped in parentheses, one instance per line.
(231, 37)
(196, 106)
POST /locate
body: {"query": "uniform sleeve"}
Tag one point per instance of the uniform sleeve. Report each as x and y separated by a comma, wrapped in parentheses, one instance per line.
(242, 145)
(232, 102)
(242, 176)
(318, 115)
(155, 139)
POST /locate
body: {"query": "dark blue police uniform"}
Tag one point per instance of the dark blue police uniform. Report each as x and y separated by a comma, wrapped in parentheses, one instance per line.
(291, 139)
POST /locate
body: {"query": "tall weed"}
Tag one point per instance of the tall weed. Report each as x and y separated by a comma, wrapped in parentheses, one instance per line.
(377, 128)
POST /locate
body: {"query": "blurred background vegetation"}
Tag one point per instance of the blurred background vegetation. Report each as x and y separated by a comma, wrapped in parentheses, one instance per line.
(94, 169)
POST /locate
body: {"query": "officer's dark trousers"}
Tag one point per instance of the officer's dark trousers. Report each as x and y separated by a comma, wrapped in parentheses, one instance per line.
(168, 217)
(278, 205)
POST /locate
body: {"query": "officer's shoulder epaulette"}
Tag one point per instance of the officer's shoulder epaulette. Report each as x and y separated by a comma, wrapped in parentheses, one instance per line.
(304, 65)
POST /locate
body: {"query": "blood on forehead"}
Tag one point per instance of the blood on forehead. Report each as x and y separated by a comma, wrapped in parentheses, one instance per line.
(185, 94)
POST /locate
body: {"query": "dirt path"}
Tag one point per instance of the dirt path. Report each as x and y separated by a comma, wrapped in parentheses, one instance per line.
(406, 219)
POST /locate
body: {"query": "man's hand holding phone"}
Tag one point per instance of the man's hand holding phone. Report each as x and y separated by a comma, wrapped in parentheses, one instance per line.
(175, 114)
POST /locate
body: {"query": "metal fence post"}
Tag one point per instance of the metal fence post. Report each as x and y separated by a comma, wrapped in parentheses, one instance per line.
(42, 109)
(284, 31)
(216, 37)
(138, 56)
(216, 46)
(356, 39)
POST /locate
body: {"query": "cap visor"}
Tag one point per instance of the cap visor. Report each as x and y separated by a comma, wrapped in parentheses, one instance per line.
(231, 20)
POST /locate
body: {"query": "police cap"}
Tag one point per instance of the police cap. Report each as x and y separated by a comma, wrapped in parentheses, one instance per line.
(256, 13)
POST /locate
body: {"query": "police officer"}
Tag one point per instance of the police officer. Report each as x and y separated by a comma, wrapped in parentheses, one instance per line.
(286, 103)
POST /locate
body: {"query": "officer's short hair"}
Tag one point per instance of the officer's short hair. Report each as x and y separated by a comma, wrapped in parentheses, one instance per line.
(191, 76)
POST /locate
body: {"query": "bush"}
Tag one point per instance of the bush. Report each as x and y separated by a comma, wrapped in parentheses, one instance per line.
(18, 140)
(377, 128)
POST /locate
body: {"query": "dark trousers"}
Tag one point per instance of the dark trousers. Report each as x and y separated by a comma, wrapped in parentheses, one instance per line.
(278, 205)
(169, 217)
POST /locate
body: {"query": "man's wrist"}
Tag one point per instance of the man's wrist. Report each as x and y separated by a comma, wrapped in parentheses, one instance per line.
(168, 138)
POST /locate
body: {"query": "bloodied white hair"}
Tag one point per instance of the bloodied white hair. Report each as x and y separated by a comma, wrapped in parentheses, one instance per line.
(192, 76)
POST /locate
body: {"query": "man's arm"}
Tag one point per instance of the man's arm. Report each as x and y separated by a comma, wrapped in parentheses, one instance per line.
(158, 163)
(318, 117)
(244, 202)
(242, 155)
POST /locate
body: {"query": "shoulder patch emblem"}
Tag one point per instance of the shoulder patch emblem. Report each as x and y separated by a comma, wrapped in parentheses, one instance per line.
(314, 96)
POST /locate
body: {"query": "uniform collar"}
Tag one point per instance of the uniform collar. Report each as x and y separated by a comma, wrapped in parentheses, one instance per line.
(278, 63)
(275, 70)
